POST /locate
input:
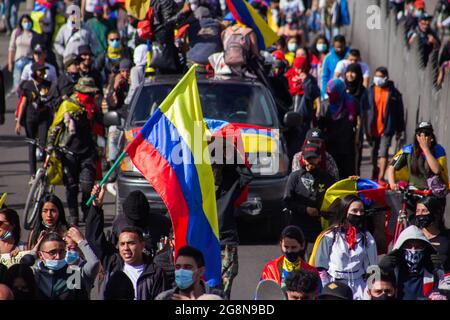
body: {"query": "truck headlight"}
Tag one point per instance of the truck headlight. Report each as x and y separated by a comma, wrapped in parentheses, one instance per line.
(267, 164)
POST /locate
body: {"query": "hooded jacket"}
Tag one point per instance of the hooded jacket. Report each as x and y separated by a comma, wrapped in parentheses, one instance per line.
(151, 282)
(394, 121)
(137, 73)
(430, 276)
(56, 285)
(67, 42)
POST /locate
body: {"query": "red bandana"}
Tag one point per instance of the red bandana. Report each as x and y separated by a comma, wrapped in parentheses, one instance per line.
(350, 236)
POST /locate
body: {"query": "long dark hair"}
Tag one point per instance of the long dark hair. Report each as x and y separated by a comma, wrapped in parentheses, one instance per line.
(417, 154)
(21, 271)
(314, 46)
(13, 218)
(19, 24)
(436, 208)
(39, 226)
(340, 207)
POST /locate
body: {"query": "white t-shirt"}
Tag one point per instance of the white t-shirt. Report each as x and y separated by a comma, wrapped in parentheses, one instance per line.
(133, 273)
(343, 64)
(50, 72)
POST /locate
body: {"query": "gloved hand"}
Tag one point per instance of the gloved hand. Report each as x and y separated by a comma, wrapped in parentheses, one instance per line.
(390, 261)
(438, 260)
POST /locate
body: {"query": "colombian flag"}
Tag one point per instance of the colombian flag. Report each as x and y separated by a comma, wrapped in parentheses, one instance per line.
(245, 14)
(167, 155)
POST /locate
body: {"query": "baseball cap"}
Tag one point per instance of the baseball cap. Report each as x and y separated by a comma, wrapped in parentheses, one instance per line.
(39, 48)
(125, 64)
(37, 66)
(426, 16)
(336, 291)
(69, 60)
(419, 4)
(423, 126)
(311, 150)
(314, 134)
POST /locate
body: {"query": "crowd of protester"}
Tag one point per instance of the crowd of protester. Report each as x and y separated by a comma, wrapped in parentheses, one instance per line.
(67, 73)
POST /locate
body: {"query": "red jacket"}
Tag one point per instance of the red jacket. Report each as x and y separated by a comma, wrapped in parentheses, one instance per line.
(295, 87)
(272, 270)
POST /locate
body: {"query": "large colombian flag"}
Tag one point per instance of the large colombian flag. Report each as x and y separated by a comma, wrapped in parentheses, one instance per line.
(165, 152)
(245, 14)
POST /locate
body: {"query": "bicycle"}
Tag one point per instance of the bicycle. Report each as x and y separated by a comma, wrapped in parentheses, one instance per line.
(39, 186)
(407, 194)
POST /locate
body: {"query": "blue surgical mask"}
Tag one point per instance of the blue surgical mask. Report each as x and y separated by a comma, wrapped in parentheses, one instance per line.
(292, 47)
(418, 13)
(72, 257)
(115, 44)
(6, 235)
(55, 264)
(27, 25)
(379, 81)
(184, 278)
(321, 47)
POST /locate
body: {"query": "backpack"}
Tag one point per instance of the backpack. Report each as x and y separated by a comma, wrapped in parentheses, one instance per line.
(236, 45)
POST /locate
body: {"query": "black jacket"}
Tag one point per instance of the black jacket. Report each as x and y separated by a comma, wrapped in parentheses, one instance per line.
(394, 121)
(306, 189)
(151, 282)
(63, 87)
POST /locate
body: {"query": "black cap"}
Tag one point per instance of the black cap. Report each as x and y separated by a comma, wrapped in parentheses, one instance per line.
(125, 64)
(314, 134)
(336, 291)
(37, 66)
(311, 150)
(136, 207)
(84, 49)
(425, 16)
(39, 48)
(424, 126)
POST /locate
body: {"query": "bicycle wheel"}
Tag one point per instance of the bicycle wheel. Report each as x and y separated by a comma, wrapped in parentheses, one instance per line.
(35, 194)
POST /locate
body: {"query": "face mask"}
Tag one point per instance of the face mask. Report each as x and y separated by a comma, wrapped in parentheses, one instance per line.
(379, 81)
(55, 264)
(292, 256)
(424, 221)
(6, 235)
(184, 278)
(414, 259)
(72, 257)
(74, 76)
(356, 221)
(384, 296)
(321, 47)
(27, 25)
(115, 44)
(292, 47)
(417, 13)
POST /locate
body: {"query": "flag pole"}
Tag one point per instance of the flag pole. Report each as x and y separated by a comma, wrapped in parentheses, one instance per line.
(110, 171)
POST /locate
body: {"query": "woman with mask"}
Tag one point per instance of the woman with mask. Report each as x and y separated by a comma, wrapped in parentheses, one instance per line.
(429, 218)
(55, 279)
(34, 111)
(293, 246)
(344, 251)
(354, 83)
(51, 219)
(319, 51)
(411, 261)
(20, 49)
(338, 121)
(21, 280)
(10, 232)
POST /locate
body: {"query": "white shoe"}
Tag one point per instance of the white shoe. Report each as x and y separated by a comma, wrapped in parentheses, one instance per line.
(111, 188)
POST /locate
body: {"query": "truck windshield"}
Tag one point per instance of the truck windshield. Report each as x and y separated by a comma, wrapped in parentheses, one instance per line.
(239, 103)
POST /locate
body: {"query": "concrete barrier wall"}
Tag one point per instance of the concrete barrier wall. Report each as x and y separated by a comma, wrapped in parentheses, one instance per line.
(387, 47)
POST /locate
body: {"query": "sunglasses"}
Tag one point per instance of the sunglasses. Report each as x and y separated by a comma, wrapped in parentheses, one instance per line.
(114, 39)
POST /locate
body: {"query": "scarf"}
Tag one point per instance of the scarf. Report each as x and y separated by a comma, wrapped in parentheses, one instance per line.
(87, 101)
(114, 54)
(354, 87)
(350, 236)
(288, 267)
(340, 101)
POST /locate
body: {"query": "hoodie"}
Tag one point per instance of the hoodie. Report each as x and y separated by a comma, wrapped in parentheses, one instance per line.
(329, 65)
(415, 286)
(137, 73)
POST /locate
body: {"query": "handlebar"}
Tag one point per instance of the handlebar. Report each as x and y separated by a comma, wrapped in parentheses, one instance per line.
(407, 191)
(44, 148)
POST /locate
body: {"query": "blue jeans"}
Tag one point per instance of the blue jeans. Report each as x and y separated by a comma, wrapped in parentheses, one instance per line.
(17, 72)
(11, 12)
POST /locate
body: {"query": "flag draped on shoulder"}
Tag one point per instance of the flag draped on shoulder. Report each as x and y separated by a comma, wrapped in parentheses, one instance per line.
(244, 13)
(168, 151)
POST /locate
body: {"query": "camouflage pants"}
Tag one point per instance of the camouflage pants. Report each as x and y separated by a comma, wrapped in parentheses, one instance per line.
(230, 268)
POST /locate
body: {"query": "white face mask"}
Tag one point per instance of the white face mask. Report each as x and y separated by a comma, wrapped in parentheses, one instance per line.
(292, 47)
(379, 81)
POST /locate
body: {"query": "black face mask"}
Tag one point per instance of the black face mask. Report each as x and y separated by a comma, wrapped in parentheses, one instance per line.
(356, 221)
(424, 221)
(384, 296)
(74, 76)
(292, 256)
